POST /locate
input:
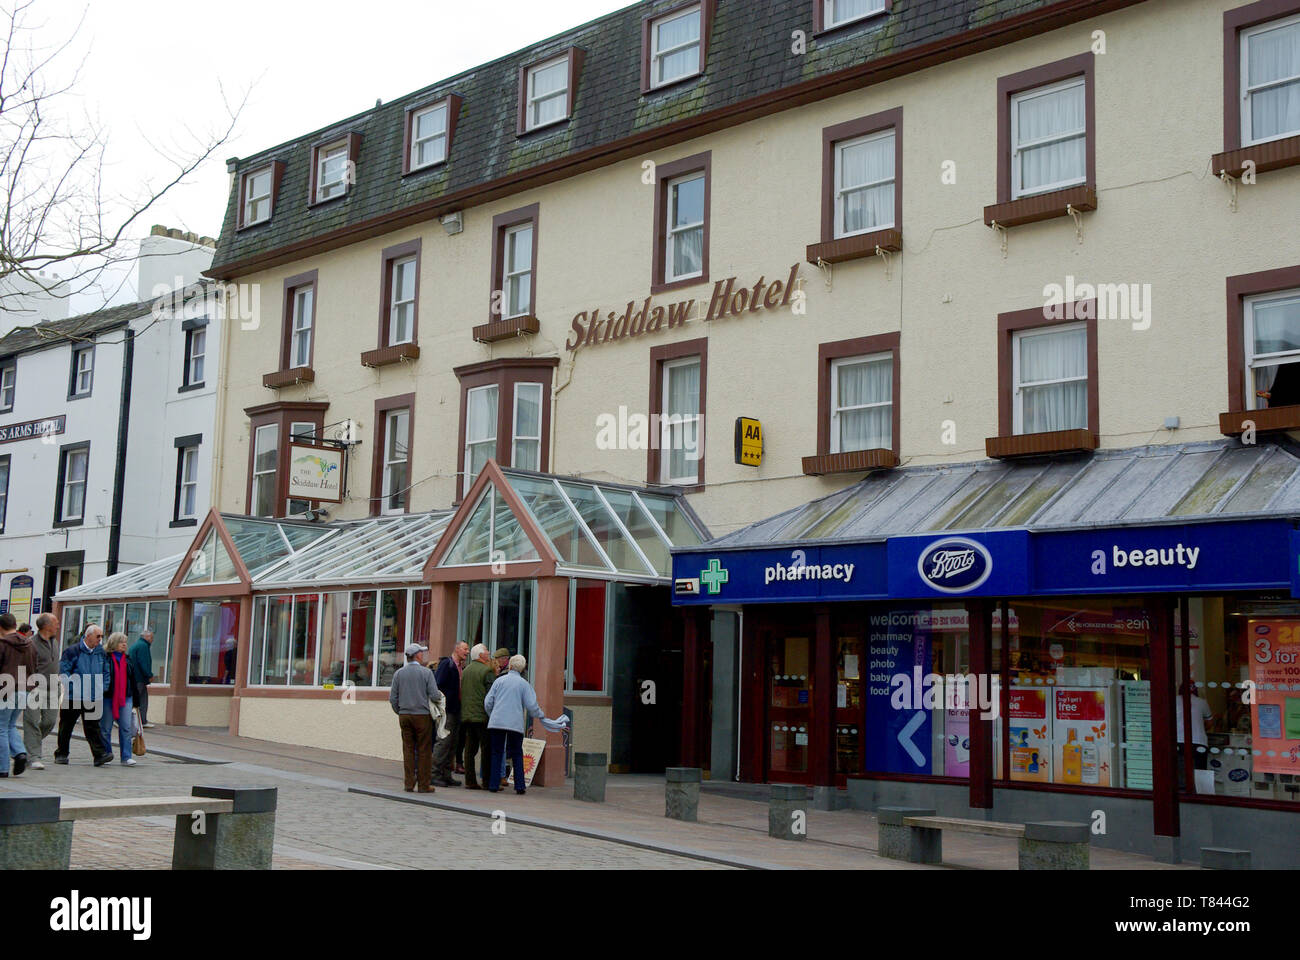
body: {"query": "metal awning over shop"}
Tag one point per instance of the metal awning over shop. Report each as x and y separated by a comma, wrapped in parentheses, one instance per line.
(1139, 486)
(520, 524)
(151, 580)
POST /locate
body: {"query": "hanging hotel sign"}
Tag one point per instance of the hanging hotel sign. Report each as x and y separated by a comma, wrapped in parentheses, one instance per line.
(49, 427)
(730, 299)
(315, 473)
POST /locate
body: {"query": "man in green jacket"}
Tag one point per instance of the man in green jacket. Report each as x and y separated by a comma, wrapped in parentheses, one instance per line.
(474, 684)
(141, 657)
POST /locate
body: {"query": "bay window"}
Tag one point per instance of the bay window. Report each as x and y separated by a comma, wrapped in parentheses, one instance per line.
(480, 430)
(527, 449)
(505, 415)
(266, 464)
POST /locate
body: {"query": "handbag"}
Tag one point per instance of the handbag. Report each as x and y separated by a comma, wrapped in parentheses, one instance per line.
(137, 742)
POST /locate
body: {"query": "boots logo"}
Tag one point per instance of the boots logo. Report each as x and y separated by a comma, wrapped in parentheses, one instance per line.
(955, 565)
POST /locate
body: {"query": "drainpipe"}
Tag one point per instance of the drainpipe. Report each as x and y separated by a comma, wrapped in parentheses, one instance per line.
(555, 398)
(119, 473)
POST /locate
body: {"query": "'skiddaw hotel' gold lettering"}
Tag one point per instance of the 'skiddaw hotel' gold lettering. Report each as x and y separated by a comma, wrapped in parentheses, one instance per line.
(590, 329)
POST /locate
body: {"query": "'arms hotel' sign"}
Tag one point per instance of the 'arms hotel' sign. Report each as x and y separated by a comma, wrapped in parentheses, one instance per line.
(49, 427)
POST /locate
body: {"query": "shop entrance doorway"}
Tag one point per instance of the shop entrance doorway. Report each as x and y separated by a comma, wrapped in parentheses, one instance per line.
(788, 692)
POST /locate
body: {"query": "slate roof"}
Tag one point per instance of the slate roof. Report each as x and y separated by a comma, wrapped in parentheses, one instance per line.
(82, 327)
(1172, 483)
(749, 55)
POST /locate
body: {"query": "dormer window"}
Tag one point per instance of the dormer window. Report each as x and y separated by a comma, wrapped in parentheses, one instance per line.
(547, 90)
(429, 136)
(257, 197)
(839, 13)
(332, 171)
(675, 47)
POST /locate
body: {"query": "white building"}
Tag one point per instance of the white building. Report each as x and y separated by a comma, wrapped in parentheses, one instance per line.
(106, 430)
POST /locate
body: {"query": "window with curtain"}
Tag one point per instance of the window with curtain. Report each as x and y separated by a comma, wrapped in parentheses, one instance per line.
(518, 279)
(1270, 81)
(480, 430)
(266, 461)
(1051, 379)
(680, 424)
(1049, 138)
(1272, 324)
(300, 335)
(548, 93)
(864, 184)
(257, 197)
(401, 311)
(527, 449)
(839, 12)
(397, 428)
(429, 136)
(685, 228)
(675, 51)
(862, 408)
(187, 493)
(331, 171)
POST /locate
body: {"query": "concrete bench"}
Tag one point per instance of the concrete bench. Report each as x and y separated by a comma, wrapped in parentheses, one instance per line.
(217, 828)
(916, 835)
(1224, 858)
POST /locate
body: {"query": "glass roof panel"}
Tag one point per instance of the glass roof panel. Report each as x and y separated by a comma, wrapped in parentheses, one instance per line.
(384, 548)
(509, 541)
(211, 563)
(558, 521)
(643, 530)
(604, 527)
(262, 543)
(672, 520)
(150, 580)
(474, 542)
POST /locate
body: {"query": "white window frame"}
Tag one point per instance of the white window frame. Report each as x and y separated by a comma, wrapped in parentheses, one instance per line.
(189, 465)
(198, 350)
(667, 422)
(1017, 388)
(841, 190)
(828, 14)
(510, 270)
(301, 329)
(671, 231)
(417, 141)
(259, 474)
(252, 199)
(65, 515)
(657, 56)
(470, 442)
(390, 419)
(837, 410)
(1247, 133)
(1271, 359)
(84, 372)
(531, 100)
(325, 189)
(516, 436)
(1017, 147)
(395, 304)
(8, 386)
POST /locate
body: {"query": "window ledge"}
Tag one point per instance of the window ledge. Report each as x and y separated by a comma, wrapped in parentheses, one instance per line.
(287, 378)
(320, 203)
(847, 24)
(189, 387)
(1268, 419)
(550, 126)
(177, 524)
(505, 329)
(1034, 444)
(673, 85)
(1273, 155)
(385, 356)
(249, 226)
(425, 169)
(1042, 206)
(855, 462)
(856, 247)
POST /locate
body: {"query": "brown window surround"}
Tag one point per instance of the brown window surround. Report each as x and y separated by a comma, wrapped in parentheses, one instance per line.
(707, 8)
(453, 102)
(664, 174)
(284, 415)
(354, 154)
(382, 408)
(505, 374)
(658, 357)
(1008, 443)
(1044, 206)
(859, 460)
(500, 224)
(387, 353)
(287, 375)
(831, 250)
(1270, 418)
(277, 174)
(819, 17)
(576, 57)
(1274, 154)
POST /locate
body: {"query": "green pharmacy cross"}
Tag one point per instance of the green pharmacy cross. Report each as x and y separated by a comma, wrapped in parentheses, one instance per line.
(714, 577)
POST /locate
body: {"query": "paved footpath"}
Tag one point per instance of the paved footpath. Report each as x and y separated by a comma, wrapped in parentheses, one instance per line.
(343, 811)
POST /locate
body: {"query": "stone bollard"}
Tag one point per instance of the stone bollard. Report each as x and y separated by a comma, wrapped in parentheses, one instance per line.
(787, 812)
(1056, 845)
(682, 793)
(1224, 858)
(590, 771)
(31, 835)
(899, 842)
(241, 840)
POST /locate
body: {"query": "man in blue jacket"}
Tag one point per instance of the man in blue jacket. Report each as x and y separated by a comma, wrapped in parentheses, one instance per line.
(448, 677)
(84, 671)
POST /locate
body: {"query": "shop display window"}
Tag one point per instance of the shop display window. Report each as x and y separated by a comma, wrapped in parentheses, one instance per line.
(214, 643)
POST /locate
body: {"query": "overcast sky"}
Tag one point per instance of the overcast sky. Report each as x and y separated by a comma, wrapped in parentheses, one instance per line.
(154, 68)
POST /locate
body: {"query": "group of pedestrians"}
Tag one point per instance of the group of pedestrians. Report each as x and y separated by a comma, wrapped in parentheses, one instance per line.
(97, 683)
(475, 702)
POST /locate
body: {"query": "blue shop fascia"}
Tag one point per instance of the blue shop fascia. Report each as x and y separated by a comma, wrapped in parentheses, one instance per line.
(1134, 611)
